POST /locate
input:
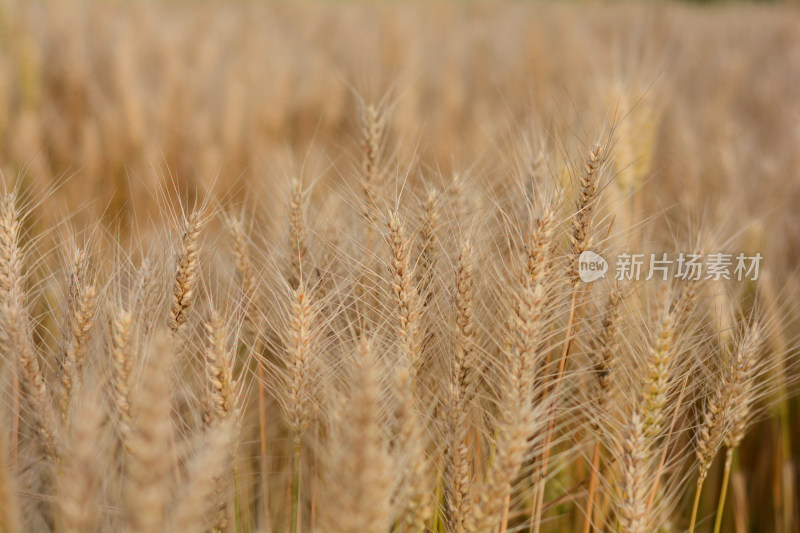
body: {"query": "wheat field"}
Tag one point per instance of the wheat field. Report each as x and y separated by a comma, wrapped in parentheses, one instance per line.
(345, 267)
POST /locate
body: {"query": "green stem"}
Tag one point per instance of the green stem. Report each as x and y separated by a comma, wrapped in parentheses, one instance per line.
(696, 502)
(724, 489)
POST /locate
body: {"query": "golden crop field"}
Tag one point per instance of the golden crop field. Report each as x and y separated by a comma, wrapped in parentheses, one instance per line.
(345, 267)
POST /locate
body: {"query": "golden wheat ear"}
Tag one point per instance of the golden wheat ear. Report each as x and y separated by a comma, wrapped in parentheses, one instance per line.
(16, 330)
(148, 466)
(186, 270)
(635, 478)
(406, 295)
(81, 309)
(203, 487)
(80, 480)
(358, 470)
(521, 411)
(462, 388)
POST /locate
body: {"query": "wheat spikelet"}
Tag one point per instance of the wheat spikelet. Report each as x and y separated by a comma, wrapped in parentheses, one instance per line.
(427, 240)
(710, 435)
(726, 413)
(297, 235)
(221, 401)
(202, 487)
(604, 347)
(299, 360)
(185, 280)
(122, 354)
(520, 414)
(606, 344)
(80, 319)
(742, 389)
(16, 335)
(34, 387)
(243, 265)
(727, 409)
(517, 423)
(81, 478)
(148, 466)
(406, 295)
(372, 128)
(149, 291)
(634, 485)
(358, 482)
(11, 255)
(660, 376)
(412, 503)
(684, 304)
(461, 390)
(588, 192)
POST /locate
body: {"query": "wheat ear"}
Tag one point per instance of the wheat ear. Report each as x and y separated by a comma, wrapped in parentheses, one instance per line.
(80, 319)
(660, 377)
(605, 346)
(583, 219)
(727, 410)
(221, 396)
(634, 477)
(221, 403)
(580, 240)
(16, 333)
(122, 354)
(372, 129)
(412, 502)
(186, 271)
(202, 487)
(406, 295)
(148, 466)
(299, 382)
(461, 391)
(427, 240)
(358, 478)
(81, 478)
(297, 234)
(520, 413)
(741, 394)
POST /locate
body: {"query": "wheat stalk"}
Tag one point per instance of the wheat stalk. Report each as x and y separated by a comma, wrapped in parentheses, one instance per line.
(520, 414)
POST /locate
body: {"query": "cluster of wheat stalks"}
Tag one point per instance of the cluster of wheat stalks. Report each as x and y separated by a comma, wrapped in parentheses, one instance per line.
(424, 359)
(238, 297)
